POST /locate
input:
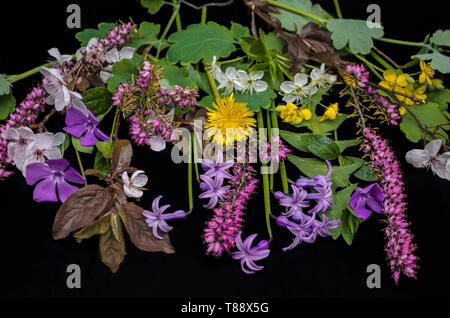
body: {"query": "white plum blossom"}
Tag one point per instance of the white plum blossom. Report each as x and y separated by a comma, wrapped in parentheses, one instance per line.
(429, 158)
(227, 80)
(60, 59)
(113, 56)
(321, 78)
(93, 52)
(59, 94)
(131, 186)
(18, 141)
(214, 68)
(297, 89)
(250, 82)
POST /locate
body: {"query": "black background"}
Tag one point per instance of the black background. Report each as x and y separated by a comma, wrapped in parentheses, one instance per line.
(34, 265)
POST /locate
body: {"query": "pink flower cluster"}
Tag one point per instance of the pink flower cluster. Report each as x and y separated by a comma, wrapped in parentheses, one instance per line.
(123, 94)
(147, 75)
(157, 124)
(179, 96)
(227, 220)
(359, 72)
(24, 115)
(399, 247)
(390, 109)
(275, 151)
(118, 36)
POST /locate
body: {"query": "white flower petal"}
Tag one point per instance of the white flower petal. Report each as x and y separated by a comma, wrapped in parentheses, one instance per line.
(316, 74)
(287, 87)
(300, 79)
(26, 133)
(290, 98)
(112, 56)
(157, 143)
(139, 181)
(231, 73)
(52, 153)
(433, 146)
(132, 192)
(10, 134)
(54, 52)
(260, 86)
(127, 52)
(58, 139)
(104, 76)
(417, 157)
(125, 178)
(257, 75)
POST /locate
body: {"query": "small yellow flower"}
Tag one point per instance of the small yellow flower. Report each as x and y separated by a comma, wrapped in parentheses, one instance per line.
(331, 112)
(306, 114)
(402, 110)
(289, 113)
(394, 82)
(427, 72)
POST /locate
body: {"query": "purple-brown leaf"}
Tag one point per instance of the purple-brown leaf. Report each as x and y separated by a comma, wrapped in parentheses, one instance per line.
(80, 209)
(140, 234)
(112, 251)
(121, 156)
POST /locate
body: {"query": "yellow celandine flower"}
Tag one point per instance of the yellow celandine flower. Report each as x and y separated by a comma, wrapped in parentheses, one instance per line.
(392, 81)
(402, 110)
(427, 72)
(289, 113)
(331, 112)
(227, 114)
(306, 114)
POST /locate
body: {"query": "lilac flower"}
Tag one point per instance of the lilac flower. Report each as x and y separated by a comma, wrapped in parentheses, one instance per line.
(372, 196)
(52, 176)
(296, 202)
(218, 167)
(248, 255)
(79, 125)
(155, 219)
(429, 158)
(214, 190)
(131, 186)
(303, 232)
(323, 227)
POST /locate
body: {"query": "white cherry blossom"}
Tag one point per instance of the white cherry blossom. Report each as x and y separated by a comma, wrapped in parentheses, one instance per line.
(250, 82)
(227, 80)
(297, 89)
(321, 77)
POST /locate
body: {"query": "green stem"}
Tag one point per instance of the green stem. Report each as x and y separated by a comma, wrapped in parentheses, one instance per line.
(190, 195)
(212, 82)
(178, 18)
(169, 24)
(203, 20)
(81, 165)
(284, 178)
(265, 177)
(338, 9)
(269, 138)
(17, 77)
(297, 11)
(370, 65)
(401, 42)
(116, 115)
(232, 60)
(380, 60)
(340, 158)
(194, 149)
(100, 117)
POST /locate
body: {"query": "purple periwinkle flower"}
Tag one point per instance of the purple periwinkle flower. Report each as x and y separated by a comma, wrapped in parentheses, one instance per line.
(296, 202)
(218, 167)
(155, 219)
(248, 255)
(214, 189)
(79, 125)
(52, 176)
(372, 196)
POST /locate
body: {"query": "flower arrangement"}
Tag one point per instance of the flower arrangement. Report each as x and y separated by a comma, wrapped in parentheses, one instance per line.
(218, 96)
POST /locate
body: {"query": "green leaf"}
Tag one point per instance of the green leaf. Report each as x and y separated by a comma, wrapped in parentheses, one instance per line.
(66, 143)
(176, 75)
(200, 41)
(296, 140)
(200, 78)
(344, 144)
(255, 102)
(349, 225)
(152, 6)
(239, 31)
(355, 33)
(85, 35)
(105, 147)
(101, 163)
(5, 85)
(288, 18)
(325, 126)
(7, 105)
(440, 96)
(271, 42)
(321, 146)
(441, 37)
(122, 72)
(340, 201)
(148, 35)
(97, 99)
(313, 167)
(429, 114)
(439, 61)
(78, 146)
(365, 172)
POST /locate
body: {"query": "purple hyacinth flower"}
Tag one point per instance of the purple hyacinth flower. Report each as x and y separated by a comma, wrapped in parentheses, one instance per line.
(296, 202)
(303, 232)
(214, 190)
(52, 176)
(322, 228)
(218, 167)
(318, 181)
(372, 196)
(157, 220)
(79, 125)
(248, 255)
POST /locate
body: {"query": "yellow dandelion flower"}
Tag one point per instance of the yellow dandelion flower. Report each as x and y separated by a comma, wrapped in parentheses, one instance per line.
(427, 72)
(306, 114)
(229, 121)
(331, 112)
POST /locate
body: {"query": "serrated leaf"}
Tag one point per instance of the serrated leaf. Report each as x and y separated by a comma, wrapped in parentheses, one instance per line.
(340, 201)
(441, 37)
(288, 18)
(439, 61)
(200, 78)
(5, 85)
(122, 72)
(7, 105)
(152, 6)
(79, 147)
(200, 41)
(176, 75)
(440, 96)
(344, 144)
(97, 99)
(239, 31)
(148, 35)
(355, 33)
(87, 34)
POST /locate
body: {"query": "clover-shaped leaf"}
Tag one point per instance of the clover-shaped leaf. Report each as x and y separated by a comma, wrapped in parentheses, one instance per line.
(439, 61)
(441, 37)
(355, 33)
